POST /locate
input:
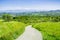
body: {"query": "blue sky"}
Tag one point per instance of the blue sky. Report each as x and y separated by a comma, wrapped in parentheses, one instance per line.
(29, 4)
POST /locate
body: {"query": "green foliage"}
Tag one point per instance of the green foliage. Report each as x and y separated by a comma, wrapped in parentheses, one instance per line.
(47, 22)
(37, 19)
(7, 17)
(50, 30)
(11, 30)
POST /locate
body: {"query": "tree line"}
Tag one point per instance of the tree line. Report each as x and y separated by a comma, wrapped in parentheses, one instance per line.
(31, 19)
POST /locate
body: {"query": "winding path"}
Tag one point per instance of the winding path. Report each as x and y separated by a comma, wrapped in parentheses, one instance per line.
(30, 34)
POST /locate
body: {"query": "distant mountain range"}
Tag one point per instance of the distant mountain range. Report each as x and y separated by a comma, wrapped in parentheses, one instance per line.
(31, 12)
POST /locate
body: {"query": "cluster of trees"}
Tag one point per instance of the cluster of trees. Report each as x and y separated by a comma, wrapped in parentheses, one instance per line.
(30, 19)
(7, 17)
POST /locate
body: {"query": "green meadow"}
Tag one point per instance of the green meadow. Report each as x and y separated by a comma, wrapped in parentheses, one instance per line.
(50, 30)
(13, 25)
(11, 30)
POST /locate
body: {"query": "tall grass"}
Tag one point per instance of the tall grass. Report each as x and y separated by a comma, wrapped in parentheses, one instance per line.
(50, 30)
(11, 30)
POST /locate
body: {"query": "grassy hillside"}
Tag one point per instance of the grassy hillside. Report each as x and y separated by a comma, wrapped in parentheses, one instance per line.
(48, 22)
(50, 30)
(11, 30)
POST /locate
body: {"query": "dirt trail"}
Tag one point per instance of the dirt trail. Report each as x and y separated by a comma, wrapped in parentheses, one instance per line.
(30, 34)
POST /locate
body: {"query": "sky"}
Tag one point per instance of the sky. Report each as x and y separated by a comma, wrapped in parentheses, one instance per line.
(29, 4)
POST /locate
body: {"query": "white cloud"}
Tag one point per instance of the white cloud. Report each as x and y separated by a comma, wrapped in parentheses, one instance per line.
(30, 8)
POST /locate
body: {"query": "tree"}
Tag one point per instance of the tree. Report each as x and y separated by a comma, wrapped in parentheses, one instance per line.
(7, 17)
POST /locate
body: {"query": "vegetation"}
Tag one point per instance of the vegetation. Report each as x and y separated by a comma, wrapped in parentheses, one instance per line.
(11, 30)
(13, 24)
(50, 30)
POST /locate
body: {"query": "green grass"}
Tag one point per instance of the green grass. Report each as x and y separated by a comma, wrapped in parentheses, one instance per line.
(11, 30)
(50, 30)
